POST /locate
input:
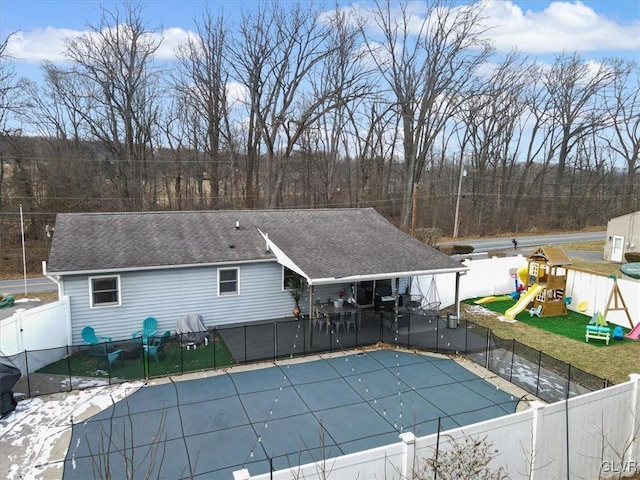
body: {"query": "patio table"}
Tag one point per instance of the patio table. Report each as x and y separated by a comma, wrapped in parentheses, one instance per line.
(329, 309)
(131, 350)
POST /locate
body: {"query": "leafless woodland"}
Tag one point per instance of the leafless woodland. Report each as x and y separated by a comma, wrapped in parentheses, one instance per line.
(308, 108)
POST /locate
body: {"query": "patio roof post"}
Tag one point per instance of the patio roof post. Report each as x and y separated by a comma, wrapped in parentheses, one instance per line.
(312, 315)
(396, 302)
(457, 299)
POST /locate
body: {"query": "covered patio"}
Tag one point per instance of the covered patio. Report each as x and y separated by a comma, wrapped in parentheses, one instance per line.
(289, 337)
(365, 270)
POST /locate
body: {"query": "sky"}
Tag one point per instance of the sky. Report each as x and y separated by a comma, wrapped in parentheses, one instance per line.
(593, 28)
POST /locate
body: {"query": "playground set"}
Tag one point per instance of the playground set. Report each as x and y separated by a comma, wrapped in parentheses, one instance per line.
(542, 290)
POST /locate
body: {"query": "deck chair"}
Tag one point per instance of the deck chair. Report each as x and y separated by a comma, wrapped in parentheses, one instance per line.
(149, 328)
(350, 321)
(337, 321)
(535, 312)
(101, 351)
(156, 346)
(7, 301)
(89, 336)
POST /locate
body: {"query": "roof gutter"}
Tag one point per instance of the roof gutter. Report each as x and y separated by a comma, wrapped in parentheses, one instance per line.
(159, 267)
(383, 276)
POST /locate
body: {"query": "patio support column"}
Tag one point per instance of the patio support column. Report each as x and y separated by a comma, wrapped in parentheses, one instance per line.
(457, 300)
(312, 315)
(397, 300)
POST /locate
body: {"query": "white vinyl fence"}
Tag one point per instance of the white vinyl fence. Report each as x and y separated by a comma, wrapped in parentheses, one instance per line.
(38, 329)
(493, 277)
(594, 435)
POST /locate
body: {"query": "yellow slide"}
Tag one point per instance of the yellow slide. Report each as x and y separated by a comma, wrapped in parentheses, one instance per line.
(526, 298)
(500, 298)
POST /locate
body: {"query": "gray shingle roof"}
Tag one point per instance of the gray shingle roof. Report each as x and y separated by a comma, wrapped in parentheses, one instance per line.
(332, 243)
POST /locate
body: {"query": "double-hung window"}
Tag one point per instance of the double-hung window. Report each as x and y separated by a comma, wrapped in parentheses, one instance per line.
(228, 281)
(287, 277)
(105, 291)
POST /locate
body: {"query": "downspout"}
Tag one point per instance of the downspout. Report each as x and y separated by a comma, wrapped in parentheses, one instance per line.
(55, 279)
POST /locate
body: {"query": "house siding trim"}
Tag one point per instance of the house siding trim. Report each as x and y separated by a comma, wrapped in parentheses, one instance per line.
(57, 275)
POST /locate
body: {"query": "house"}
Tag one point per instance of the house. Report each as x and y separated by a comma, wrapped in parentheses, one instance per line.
(228, 266)
(623, 235)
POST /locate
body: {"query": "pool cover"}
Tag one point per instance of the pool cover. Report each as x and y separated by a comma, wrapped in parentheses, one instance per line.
(284, 415)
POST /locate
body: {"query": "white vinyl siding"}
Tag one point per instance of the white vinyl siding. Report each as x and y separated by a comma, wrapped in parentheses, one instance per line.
(169, 294)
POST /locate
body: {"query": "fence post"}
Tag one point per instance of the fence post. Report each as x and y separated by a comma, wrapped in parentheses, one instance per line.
(513, 355)
(487, 352)
(215, 334)
(241, 474)
(634, 441)
(244, 329)
(538, 374)
(537, 409)
(275, 341)
(408, 455)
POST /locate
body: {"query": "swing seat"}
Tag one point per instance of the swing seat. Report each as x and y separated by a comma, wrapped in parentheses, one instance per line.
(432, 309)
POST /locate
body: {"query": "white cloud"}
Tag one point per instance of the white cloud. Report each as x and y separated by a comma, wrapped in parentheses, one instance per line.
(561, 26)
(49, 43)
(40, 44)
(171, 39)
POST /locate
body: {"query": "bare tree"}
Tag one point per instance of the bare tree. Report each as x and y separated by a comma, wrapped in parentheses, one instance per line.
(278, 57)
(13, 103)
(202, 82)
(427, 68)
(493, 130)
(624, 106)
(576, 108)
(119, 92)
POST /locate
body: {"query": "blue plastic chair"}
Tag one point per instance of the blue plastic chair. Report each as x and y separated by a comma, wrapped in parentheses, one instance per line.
(89, 336)
(157, 346)
(149, 328)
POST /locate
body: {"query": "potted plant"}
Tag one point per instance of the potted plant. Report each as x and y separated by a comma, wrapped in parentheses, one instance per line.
(295, 289)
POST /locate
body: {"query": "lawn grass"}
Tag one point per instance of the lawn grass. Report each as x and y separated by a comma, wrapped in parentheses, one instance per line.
(573, 325)
(178, 360)
(614, 361)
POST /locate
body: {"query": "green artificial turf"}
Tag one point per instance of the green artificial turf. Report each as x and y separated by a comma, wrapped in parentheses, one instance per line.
(178, 360)
(573, 325)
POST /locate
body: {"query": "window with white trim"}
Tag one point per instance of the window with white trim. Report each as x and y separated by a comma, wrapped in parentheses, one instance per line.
(228, 281)
(287, 277)
(105, 291)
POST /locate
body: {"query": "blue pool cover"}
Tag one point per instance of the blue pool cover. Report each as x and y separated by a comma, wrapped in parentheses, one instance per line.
(279, 416)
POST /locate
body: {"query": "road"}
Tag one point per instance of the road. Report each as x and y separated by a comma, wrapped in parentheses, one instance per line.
(34, 285)
(490, 244)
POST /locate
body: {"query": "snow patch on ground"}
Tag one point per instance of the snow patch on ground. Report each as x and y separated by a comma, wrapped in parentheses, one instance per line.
(31, 435)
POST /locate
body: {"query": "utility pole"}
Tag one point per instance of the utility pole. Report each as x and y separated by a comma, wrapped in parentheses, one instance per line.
(413, 210)
(456, 219)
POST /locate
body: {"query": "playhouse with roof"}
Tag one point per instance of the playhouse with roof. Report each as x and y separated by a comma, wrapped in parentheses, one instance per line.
(547, 274)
